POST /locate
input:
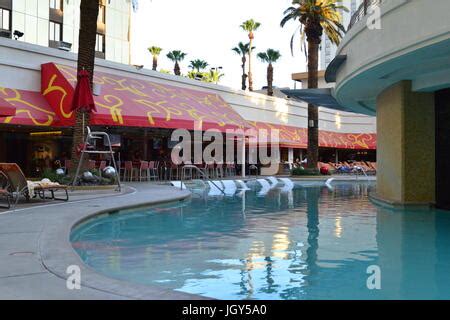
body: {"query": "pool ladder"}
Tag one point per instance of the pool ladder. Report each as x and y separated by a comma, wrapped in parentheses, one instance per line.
(190, 167)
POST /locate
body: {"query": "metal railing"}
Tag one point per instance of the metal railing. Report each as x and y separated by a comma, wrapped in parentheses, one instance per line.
(202, 174)
(363, 11)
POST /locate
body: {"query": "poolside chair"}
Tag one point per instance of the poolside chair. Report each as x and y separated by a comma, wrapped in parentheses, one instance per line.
(144, 171)
(373, 165)
(19, 184)
(5, 190)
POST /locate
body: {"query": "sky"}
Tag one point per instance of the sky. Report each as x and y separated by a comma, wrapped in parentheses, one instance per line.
(209, 29)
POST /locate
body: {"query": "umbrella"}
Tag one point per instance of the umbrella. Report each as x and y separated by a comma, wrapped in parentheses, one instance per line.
(82, 97)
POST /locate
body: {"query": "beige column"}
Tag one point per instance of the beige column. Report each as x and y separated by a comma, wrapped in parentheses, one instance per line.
(406, 146)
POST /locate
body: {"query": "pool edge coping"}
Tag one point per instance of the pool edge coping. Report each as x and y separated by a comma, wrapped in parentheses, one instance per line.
(57, 254)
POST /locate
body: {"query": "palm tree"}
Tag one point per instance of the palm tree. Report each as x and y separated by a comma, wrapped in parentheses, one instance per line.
(243, 50)
(250, 26)
(176, 56)
(86, 58)
(270, 56)
(315, 16)
(155, 52)
(198, 64)
(214, 76)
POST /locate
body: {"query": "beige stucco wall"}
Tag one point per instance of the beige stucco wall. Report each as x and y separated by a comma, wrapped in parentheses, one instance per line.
(20, 68)
(406, 145)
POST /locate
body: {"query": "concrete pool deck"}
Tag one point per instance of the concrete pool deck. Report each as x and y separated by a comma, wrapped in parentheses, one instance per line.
(35, 250)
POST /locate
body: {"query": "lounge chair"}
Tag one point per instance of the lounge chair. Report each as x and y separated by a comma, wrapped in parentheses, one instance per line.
(5, 190)
(19, 184)
(373, 165)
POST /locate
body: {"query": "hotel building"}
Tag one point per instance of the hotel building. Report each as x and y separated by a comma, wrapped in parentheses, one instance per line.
(140, 107)
(55, 24)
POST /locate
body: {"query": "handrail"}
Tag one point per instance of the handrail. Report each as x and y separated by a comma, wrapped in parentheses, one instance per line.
(190, 166)
(362, 11)
(359, 168)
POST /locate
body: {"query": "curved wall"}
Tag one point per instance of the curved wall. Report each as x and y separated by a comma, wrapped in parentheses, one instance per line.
(412, 44)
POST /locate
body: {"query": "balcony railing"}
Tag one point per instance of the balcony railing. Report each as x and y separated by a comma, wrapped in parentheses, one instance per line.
(363, 11)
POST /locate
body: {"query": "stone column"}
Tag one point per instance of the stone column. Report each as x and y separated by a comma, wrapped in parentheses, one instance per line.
(406, 146)
(291, 156)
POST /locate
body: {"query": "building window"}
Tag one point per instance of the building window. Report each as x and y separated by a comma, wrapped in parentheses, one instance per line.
(100, 44)
(56, 4)
(5, 19)
(101, 14)
(55, 31)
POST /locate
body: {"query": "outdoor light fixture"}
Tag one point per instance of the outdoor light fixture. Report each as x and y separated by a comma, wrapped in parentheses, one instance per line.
(18, 34)
(64, 46)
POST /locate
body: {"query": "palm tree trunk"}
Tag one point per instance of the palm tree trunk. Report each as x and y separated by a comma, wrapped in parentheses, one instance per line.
(176, 69)
(244, 76)
(86, 60)
(250, 76)
(270, 80)
(313, 111)
(312, 225)
(155, 63)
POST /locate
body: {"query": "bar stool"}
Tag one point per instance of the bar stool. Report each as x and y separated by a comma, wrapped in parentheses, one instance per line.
(144, 168)
(128, 171)
(153, 170)
(164, 170)
(230, 169)
(219, 170)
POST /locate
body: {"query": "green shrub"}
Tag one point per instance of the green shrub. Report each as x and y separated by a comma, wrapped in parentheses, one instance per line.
(51, 175)
(305, 172)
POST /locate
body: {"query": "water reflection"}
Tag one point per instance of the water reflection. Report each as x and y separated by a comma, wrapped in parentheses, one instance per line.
(286, 245)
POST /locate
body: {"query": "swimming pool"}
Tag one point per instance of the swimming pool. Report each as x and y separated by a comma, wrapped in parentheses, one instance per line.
(314, 242)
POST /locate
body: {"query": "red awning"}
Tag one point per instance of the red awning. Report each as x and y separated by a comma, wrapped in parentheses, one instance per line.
(289, 137)
(294, 137)
(125, 101)
(31, 108)
(6, 109)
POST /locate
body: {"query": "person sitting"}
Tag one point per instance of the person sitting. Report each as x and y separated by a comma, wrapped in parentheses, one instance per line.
(342, 168)
(297, 163)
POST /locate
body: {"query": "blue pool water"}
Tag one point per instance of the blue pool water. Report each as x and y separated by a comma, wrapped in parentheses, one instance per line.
(311, 243)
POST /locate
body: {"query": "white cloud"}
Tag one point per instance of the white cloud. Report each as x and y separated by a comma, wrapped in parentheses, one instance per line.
(208, 29)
